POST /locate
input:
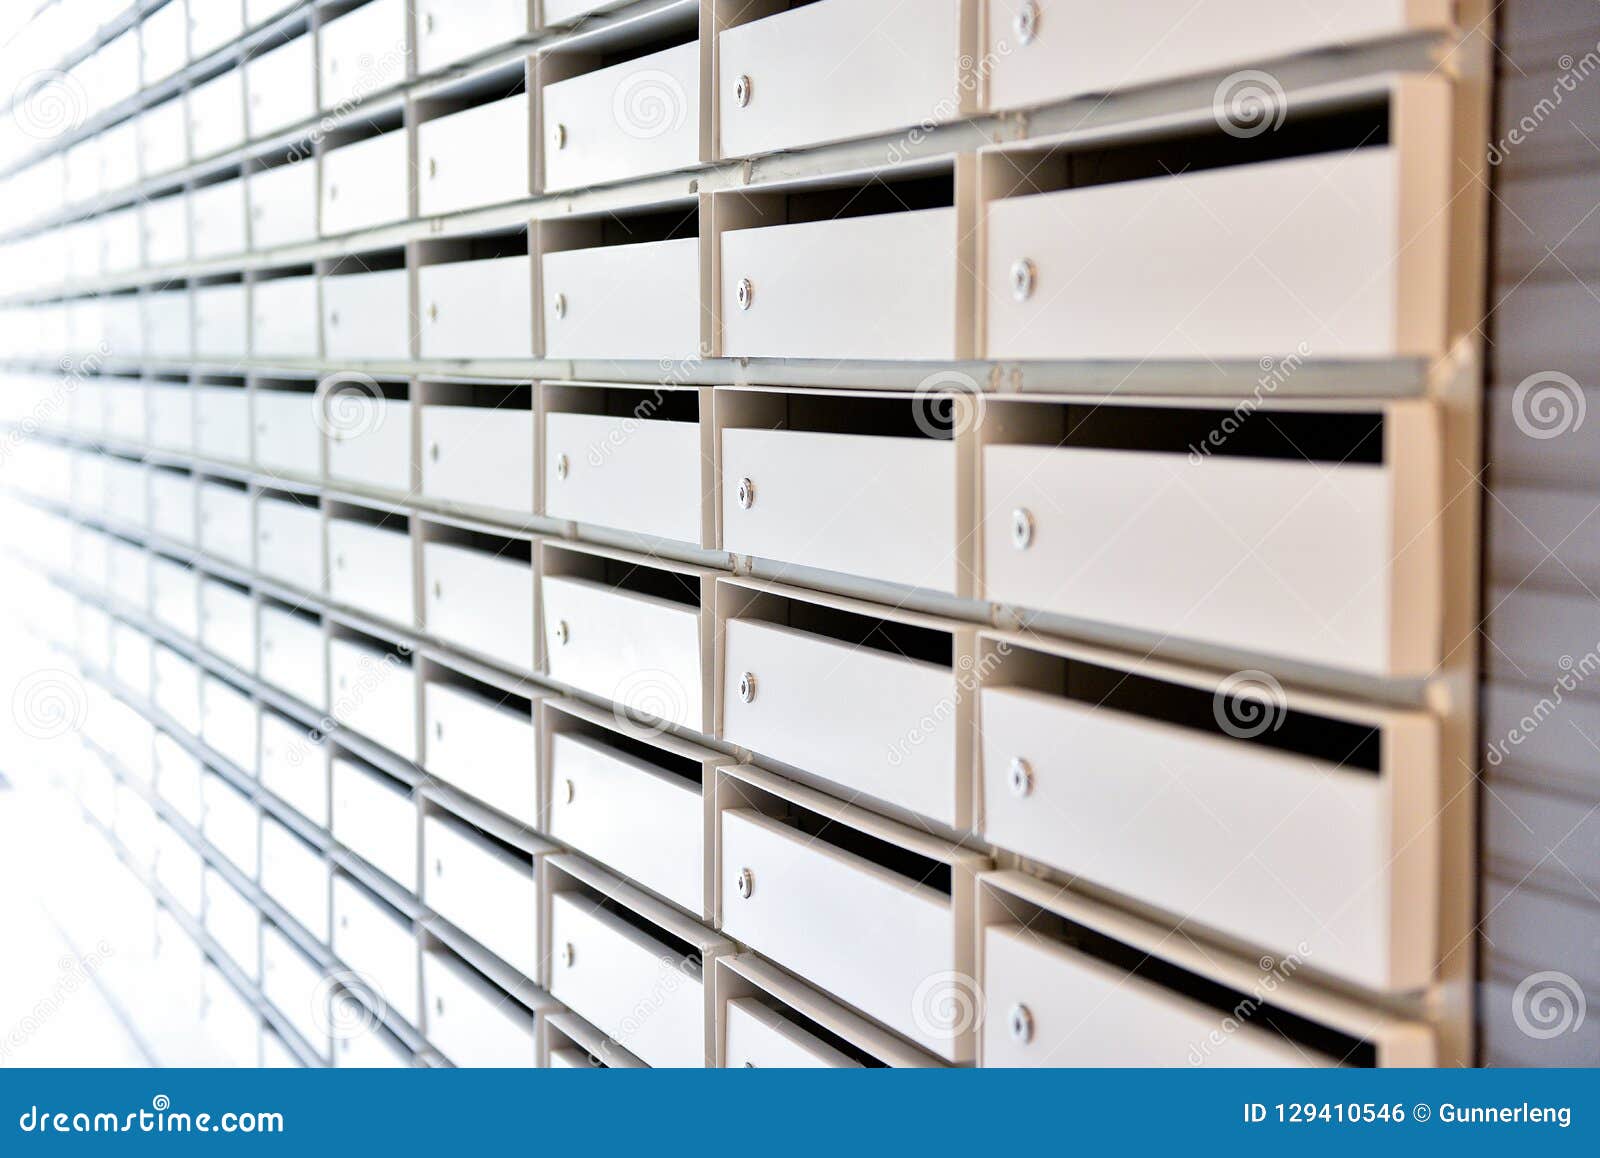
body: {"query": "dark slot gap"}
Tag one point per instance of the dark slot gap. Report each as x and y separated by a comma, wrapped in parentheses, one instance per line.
(647, 405)
(873, 199)
(1355, 746)
(820, 1031)
(925, 416)
(902, 861)
(1292, 435)
(684, 949)
(1298, 137)
(661, 225)
(886, 635)
(1322, 1038)
(680, 766)
(626, 576)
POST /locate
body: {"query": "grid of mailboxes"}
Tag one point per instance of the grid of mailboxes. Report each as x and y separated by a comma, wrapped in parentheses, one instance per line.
(592, 534)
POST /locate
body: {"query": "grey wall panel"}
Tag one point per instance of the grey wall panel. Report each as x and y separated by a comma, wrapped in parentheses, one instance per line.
(1539, 1001)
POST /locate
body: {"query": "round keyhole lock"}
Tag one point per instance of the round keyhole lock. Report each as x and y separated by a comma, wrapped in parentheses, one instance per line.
(1026, 23)
(438, 589)
(743, 88)
(438, 730)
(333, 192)
(333, 318)
(747, 687)
(558, 136)
(568, 954)
(1023, 276)
(1021, 777)
(560, 305)
(427, 22)
(563, 633)
(746, 883)
(1021, 1022)
(747, 494)
(433, 451)
(433, 167)
(1021, 529)
(438, 867)
(433, 311)
(568, 790)
(745, 293)
(562, 466)
(438, 1006)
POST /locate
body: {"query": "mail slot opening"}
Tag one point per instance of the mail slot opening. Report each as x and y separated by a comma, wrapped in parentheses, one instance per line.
(482, 88)
(1050, 168)
(503, 396)
(641, 404)
(662, 759)
(873, 196)
(1242, 711)
(1246, 430)
(217, 177)
(619, 44)
(626, 575)
(277, 272)
(479, 247)
(1248, 1008)
(370, 123)
(817, 1030)
(933, 416)
(686, 951)
(372, 261)
(393, 520)
(892, 636)
(495, 546)
(306, 388)
(837, 832)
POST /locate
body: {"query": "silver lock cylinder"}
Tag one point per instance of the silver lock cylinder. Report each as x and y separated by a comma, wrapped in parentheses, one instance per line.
(747, 687)
(1021, 777)
(560, 305)
(563, 633)
(1021, 528)
(1026, 22)
(743, 90)
(745, 883)
(1021, 1022)
(562, 466)
(558, 136)
(747, 494)
(745, 293)
(1023, 277)
(568, 954)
